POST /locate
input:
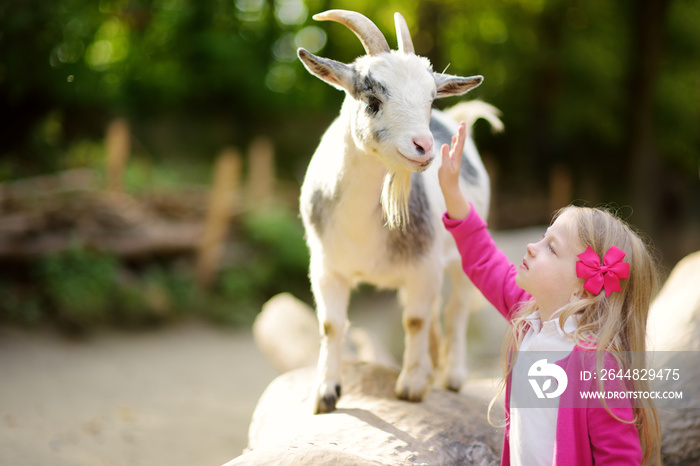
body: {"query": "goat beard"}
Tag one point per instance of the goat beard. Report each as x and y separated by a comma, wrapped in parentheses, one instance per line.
(396, 191)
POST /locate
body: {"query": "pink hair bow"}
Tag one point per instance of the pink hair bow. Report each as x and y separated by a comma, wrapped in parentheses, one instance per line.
(607, 275)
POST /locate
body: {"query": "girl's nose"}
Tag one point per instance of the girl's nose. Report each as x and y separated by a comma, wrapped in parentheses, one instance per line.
(530, 249)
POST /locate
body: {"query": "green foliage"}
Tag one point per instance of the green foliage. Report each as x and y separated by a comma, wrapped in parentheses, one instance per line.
(80, 288)
(219, 72)
(80, 284)
(19, 304)
(280, 234)
(194, 76)
(276, 261)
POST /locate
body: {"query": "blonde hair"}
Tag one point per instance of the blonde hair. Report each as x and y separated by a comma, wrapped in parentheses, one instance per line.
(614, 324)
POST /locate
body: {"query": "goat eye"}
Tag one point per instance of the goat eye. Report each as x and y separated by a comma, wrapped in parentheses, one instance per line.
(373, 105)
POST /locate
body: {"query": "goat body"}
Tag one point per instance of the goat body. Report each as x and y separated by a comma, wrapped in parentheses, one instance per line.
(372, 206)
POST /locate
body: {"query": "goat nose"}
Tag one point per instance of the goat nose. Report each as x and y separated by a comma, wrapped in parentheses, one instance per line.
(423, 144)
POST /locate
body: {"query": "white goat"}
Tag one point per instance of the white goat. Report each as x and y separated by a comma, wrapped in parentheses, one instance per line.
(371, 204)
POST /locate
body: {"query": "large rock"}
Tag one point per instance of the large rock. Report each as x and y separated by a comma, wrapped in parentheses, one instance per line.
(286, 332)
(370, 426)
(674, 335)
(674, 318)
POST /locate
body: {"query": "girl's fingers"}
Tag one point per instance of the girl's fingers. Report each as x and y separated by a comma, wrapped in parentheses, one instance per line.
(457, 147)
(452, 155)
(458, 141)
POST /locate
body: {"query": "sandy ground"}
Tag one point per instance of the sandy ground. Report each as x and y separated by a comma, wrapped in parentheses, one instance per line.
(178, 396)
(181, 395)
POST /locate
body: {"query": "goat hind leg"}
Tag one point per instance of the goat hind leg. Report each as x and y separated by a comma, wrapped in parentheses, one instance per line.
(415, 377)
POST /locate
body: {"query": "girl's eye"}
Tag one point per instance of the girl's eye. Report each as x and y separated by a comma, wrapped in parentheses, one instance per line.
(549, 246)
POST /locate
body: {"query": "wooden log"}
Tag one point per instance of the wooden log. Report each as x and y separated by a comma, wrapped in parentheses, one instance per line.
(370, 425)
(38, 187)
(48, 214)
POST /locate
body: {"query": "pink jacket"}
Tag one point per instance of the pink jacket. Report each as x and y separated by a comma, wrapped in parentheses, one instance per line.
(586, 434)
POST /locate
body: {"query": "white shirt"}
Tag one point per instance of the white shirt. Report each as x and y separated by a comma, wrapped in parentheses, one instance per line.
(533, 430)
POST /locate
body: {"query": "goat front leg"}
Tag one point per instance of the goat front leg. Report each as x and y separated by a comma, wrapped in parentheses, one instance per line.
(454, 342)
(332, 294)
(419, 300)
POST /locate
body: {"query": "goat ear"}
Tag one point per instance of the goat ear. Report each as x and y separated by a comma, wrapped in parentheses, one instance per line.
(448, 85)
(333, 72)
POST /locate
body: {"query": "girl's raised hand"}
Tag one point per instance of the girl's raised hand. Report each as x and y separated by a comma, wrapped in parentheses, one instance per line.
(448, 175)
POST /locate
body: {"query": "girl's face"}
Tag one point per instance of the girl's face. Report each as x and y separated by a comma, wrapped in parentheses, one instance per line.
(548, 271)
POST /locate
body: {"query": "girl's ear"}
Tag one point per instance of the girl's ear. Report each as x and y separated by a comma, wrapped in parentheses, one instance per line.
(580, 294)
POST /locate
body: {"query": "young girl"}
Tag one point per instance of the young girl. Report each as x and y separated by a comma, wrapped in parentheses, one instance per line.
(562, 298)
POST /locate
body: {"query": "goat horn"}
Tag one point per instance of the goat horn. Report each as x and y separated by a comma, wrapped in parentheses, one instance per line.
(403, 35)
(369, 34)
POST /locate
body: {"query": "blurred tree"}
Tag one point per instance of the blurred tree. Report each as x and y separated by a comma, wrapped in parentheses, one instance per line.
(648, 20)
(610, 90)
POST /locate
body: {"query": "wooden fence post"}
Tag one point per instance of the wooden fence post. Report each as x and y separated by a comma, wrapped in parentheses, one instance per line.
(261, 171)
(118, 144)
(219, 213)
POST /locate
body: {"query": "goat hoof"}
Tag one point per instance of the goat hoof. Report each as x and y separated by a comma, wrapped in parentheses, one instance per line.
(453, 387)
(327, 399)
(411, 386)
(454, 379)
(407, 395)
